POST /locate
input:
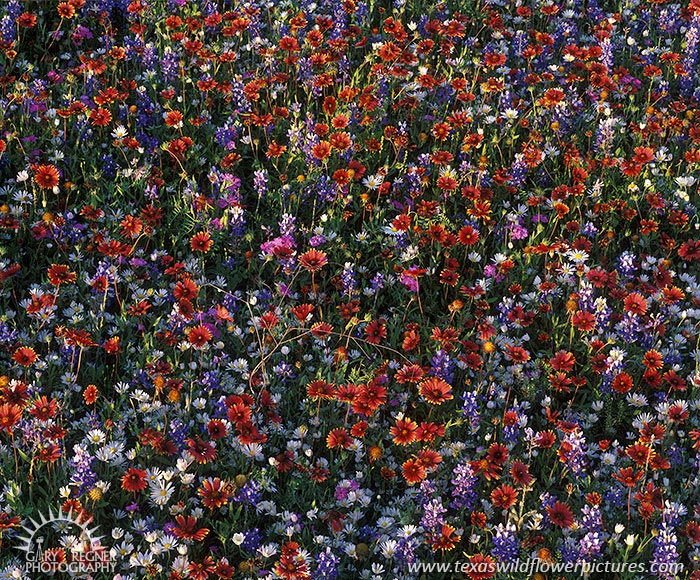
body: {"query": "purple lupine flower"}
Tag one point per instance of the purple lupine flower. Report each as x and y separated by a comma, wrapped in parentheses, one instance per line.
(348, 279)
(442, 366)
(576, 455)
(470, 409)
(327, 566)
(260, 182)
(506, 546)
(83, 476)
(432, 515)
(464, 483)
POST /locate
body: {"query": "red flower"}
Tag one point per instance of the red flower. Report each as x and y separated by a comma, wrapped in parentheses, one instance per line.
(468, 236)
(9, 415)
(409, 374)
(61, 274)
(100, 117)
(338, 438)
(313, 260)
(47, 176)
(635, 303)
(320, 389)
(517, 354)
(622, 383)
(201, 570)
(584, 321)
(321, 150)
(446, 540)
(174, 119)
(111, 345)
(216, 429)
(214, 493)
(201, 451)
(413, 471)
(90, 394)
(481, 567)
(497, 454)
(199, 336)
(24, 356)
(435, 391)
(404, 432)
(346, 393)
(520, 474)
(643, 155)
(43, 409)
(292, 565)
(692, 530)
(134, 480)
(560, 515)
(186, 528)
(563, 361)
(375, 332)
(690, 250)
(429, 431)
(640, 454)
(628, 476)
(429, 458)
(66, 10)
(653, 360)
(201, 242)
(504, 497)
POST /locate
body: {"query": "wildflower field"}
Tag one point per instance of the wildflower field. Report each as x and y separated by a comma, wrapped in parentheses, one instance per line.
(327, 289)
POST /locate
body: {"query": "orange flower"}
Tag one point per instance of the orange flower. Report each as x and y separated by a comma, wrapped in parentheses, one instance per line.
(313, 260)
(66, 10)
(214, 493)
(635, 303)
(134, 480)
(90, 394)
(504, 497)
(100, 117)
(201, 242)
(60, 274)
(481, 567)
(47, 176)
(322, 150)
(43, 409)
(174, 119)
(24, 356)
(338, 438)
(622, 383)
(9, 415)
(446, 540)
(413, 471)
(404, 432)
(199, 336)
(584, 321)
(435, 390)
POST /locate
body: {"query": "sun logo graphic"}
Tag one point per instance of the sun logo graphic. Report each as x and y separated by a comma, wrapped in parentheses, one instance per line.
(63, 543)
